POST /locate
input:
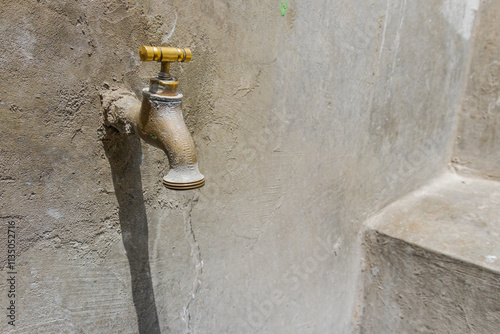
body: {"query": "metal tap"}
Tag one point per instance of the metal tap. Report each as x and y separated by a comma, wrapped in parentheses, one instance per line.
(160, 121)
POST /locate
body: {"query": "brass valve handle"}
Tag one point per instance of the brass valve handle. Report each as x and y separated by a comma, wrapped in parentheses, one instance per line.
(164, 54)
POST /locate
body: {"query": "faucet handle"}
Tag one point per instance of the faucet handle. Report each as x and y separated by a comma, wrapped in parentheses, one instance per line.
(165, 54)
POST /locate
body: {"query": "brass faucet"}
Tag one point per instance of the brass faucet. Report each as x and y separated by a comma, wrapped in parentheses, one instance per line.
(159, 119)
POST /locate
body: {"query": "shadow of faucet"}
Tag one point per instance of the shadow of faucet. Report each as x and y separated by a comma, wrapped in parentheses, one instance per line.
(124, 156)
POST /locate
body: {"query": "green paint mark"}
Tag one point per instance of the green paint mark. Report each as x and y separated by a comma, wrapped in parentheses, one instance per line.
(153, 136)
(283, 7)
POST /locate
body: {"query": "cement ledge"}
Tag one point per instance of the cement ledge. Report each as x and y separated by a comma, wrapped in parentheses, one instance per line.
(453, 215)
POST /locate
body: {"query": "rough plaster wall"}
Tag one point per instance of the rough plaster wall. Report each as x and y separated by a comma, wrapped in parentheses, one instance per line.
(413, 290)
(304, 124)
(477, 149)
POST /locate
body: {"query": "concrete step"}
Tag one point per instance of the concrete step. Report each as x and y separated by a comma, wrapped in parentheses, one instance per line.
(433, 261)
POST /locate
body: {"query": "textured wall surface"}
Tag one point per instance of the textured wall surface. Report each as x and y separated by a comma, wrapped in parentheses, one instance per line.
(414, 290)
(432, 260)
(477, 150)
(305, 124)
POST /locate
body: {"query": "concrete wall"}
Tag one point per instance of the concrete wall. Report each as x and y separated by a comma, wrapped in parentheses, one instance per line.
(431, 256)
(305, 124)
(413, 289)
(477, 149)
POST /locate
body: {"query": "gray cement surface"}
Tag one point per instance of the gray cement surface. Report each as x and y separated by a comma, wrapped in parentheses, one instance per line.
(411, 289)
(305, 125)
(477, 147)
(433, 260)
(453, 215)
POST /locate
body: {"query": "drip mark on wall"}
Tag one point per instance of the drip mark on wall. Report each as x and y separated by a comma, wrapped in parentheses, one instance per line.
(460, 15)
(167, 37)
(195, 255)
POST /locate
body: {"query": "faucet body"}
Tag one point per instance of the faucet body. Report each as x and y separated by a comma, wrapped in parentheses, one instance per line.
(158, 119)
(161, 124)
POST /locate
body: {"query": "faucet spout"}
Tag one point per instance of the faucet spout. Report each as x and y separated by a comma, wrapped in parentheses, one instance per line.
(160, 123)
